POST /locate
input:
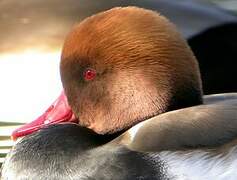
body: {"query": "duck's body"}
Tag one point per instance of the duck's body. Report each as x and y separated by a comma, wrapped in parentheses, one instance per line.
(192, 143)
(116, 74)
(76, 153)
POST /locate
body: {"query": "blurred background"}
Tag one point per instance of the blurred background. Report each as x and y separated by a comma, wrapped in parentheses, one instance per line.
(32, 33)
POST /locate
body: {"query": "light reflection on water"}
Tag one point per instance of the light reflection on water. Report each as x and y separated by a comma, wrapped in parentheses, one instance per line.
(29, 83)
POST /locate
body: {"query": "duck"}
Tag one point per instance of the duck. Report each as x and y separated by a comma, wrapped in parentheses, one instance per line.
(132, 108)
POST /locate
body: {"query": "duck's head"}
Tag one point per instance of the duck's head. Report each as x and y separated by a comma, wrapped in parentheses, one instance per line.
(124, 65)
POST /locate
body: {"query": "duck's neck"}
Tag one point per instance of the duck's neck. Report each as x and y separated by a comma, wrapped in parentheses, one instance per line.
(182, 99)
(105, 138)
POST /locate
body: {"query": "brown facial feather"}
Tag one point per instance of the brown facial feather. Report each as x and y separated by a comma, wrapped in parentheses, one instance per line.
(144, 68)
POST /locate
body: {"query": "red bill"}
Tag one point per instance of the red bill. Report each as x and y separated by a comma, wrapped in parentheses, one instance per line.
(58, 112)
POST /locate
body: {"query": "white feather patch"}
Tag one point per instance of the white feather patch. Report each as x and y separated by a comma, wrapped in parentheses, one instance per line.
(200, 165)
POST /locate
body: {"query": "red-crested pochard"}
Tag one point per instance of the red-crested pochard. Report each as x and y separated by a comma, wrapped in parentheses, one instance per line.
(129, 68)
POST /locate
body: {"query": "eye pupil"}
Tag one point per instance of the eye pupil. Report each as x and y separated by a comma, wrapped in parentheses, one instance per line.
(89, 74)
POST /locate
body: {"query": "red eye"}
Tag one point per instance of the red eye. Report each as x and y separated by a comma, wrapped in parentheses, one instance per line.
(89, 74)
